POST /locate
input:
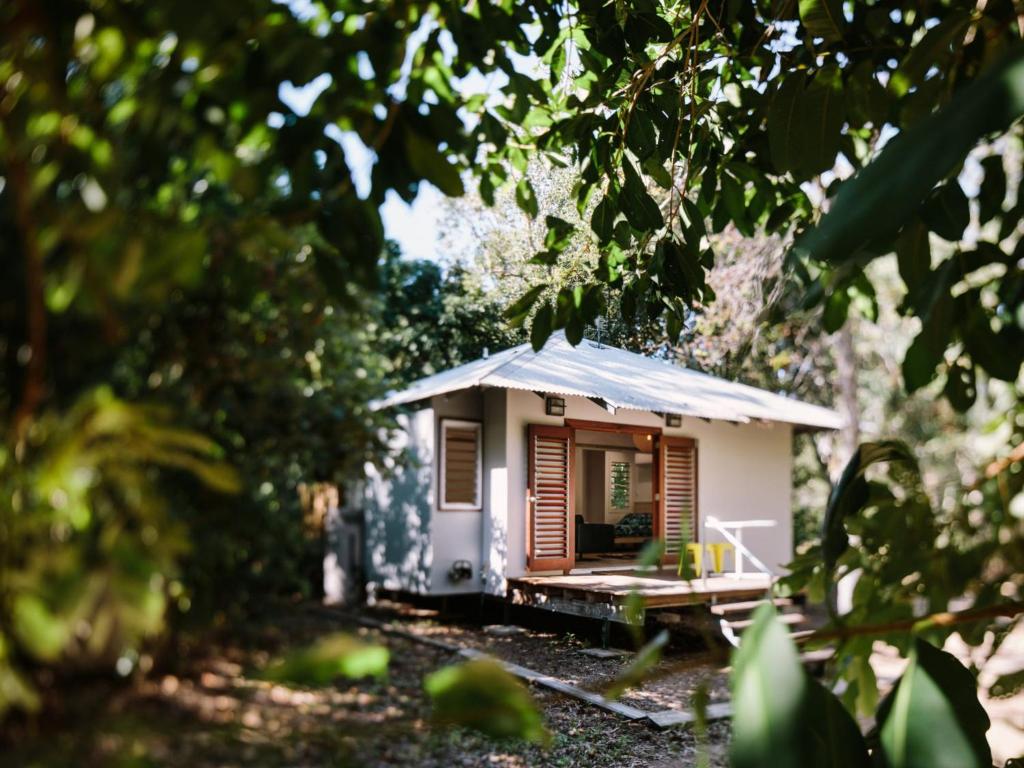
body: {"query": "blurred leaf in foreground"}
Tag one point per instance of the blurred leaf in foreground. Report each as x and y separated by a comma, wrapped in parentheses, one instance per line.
(779, 711)
(14, 690)
(933, 717)
(641, 666)
(481, 695)
(329, 658)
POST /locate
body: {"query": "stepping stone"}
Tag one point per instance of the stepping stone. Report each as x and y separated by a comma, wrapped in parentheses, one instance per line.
(604, 653)
(503, 630)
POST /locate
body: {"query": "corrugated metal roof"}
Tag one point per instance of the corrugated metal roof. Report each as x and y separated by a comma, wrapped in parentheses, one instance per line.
(623, 380)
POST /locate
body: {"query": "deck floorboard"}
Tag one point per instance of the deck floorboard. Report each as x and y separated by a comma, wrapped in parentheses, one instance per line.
(658, 589)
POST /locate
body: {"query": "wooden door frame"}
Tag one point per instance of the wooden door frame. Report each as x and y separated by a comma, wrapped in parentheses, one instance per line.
(656, 471)
(608, 426)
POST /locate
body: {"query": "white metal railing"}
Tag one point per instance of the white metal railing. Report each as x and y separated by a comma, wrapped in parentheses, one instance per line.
(726, 528)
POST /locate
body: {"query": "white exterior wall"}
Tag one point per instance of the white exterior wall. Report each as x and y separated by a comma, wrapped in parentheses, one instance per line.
(411, 544)
(744, 473)
(398, 502)
(457, 534)
(497, 500)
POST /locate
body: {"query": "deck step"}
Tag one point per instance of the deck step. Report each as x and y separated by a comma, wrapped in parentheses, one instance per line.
(747, 606)
(785, 618)
(801, 634)
(820, 656)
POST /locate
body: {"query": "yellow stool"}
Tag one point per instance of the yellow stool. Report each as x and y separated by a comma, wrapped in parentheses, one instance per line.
(718, 550)
(696, 552)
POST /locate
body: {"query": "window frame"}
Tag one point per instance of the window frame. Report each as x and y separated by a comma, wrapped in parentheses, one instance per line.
(443, 505)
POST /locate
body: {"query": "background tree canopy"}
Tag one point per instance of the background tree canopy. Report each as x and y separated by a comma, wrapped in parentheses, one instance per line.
(199, 303)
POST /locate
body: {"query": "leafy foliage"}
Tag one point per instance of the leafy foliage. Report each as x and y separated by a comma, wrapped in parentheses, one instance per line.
(932, 716)
(329, 658)
(480, 694)
(90, 545)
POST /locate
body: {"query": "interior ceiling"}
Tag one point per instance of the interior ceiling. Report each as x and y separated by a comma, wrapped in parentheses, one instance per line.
(587, 438)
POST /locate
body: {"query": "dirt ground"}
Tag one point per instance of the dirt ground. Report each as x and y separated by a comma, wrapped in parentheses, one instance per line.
(210, 709)
(558, 653)
(215, 711)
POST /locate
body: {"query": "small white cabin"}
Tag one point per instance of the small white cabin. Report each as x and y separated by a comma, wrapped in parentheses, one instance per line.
(525, 465)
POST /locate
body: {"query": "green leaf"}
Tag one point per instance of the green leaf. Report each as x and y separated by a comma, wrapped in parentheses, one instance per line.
(823, 18)
(735, 203)
(866, 99)
(652, 553)
(998, 352)
(15, 691)
(574, 327)
(934, 49)
(784, 120)
(933, 718)
(947, 212)
(652, 167)
(640, 136)
(526, 198)
(961, 388)
(425, 159)
(768, 689)
(328, 659)
(920, 362)
(559, 233)
(834, 738)
(851, 493)
(39, 630)
(487, 189)
(638, 206)
(867, 685)
(603, 219)
(913, 253)
(883, 195)
(993, 188)
(822, 112)
(1009, 684)
(518, 312)
(481, 695)
(543, 325)
(837, 306)
(640, 667)
(778, 711)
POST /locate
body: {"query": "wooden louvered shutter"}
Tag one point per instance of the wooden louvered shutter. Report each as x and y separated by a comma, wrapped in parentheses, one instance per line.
(552, 532)
(679, 493)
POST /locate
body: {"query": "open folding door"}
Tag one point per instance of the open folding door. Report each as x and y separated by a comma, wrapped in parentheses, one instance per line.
(678, 507)
(551, 541)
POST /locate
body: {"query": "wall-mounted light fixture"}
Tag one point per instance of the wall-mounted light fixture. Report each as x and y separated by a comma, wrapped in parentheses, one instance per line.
(554, 406)
(673, 420)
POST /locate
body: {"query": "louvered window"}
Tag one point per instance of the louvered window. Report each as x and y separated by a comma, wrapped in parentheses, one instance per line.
(461, 472)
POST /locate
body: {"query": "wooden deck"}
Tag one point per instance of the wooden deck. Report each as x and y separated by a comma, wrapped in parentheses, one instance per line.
(604, 594)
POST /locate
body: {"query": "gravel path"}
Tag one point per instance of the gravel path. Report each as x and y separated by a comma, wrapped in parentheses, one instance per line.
(675, 678)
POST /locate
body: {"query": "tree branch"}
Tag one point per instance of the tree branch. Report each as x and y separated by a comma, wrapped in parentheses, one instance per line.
(944, 619)
(35, 306)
